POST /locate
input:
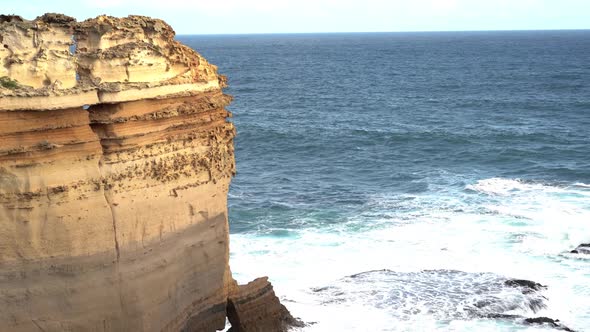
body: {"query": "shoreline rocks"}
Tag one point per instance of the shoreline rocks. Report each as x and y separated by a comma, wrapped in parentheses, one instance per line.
(583, 248)
(443, 295)
(255, 308)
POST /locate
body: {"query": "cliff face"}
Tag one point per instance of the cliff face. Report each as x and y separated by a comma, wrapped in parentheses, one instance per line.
(115, 163)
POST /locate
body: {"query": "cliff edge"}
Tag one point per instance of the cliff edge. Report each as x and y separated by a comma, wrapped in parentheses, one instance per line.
(115, 162)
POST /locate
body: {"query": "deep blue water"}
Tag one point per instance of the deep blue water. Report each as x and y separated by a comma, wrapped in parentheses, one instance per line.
(466, 151)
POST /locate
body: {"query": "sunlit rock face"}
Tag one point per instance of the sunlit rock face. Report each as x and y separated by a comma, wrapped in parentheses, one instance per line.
(115, 163)
(115, 60)
(38, 52)
(137, 58)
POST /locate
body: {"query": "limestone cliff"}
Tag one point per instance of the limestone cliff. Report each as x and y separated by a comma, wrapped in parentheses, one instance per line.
(115, 163)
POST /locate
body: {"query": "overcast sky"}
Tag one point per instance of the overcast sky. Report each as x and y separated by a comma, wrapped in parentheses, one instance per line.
(278, 16)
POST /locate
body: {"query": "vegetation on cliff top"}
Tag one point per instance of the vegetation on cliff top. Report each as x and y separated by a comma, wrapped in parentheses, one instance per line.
(8, 83)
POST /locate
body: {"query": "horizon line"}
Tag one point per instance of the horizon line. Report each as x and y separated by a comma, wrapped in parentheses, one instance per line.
(360, 32)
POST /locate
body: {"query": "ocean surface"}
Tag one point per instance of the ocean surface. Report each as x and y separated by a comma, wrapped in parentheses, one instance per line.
(395, 181)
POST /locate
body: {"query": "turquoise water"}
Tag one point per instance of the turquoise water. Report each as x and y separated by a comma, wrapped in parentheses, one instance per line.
(467, 154)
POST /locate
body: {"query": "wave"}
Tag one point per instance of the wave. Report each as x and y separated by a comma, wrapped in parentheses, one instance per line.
(552, 217)
(488, 228)
(504, 187)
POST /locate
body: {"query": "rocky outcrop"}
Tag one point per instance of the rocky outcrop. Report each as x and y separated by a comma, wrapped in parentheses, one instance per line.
(255, 308)
(583, 248)
(445, 295)
(553, 323)
(115, 162)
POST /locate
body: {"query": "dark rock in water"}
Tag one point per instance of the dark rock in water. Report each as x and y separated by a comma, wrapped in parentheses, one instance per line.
(320, 289)
(583, 248)
(369, 273)
(444, 295)
(554, 323)
(537, 304)
(255, 307)
(501, 316)
(529, 286)
(483, 303)
(549, 321)
(541, 320)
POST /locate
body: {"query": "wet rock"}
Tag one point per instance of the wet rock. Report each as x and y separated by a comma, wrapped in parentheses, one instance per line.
(320, 289)
(583, 248)
(537, 304)
(555, 323)
(255, 308)
(527, 285)
(444, 294)
(501, 316)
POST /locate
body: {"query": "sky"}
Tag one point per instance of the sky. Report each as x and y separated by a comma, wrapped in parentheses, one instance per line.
(293, 16)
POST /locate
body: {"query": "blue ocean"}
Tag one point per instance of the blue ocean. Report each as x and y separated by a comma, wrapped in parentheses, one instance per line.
(396, 181)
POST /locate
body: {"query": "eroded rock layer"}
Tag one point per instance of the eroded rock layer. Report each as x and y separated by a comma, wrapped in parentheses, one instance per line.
(255, 308)
(115, 163)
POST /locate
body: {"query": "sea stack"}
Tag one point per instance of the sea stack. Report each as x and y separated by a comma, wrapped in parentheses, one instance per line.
(115, 162)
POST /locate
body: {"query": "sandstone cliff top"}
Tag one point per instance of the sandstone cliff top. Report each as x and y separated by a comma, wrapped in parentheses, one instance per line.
(105, 23)
(53, 55)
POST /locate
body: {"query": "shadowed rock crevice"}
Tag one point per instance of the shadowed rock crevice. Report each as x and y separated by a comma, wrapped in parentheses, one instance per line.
(109, 202)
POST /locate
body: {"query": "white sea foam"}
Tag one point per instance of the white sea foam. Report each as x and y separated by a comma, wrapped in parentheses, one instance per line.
(504, 187)
(556, 218)
(509, 227)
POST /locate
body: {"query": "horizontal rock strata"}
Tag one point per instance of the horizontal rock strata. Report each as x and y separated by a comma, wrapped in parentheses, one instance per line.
(115, 162)
(255, 308)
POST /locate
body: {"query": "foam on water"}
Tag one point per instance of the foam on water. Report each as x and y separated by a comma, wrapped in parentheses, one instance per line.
(444, 294)
(505, 187)
(507, 227)
(554, 217)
